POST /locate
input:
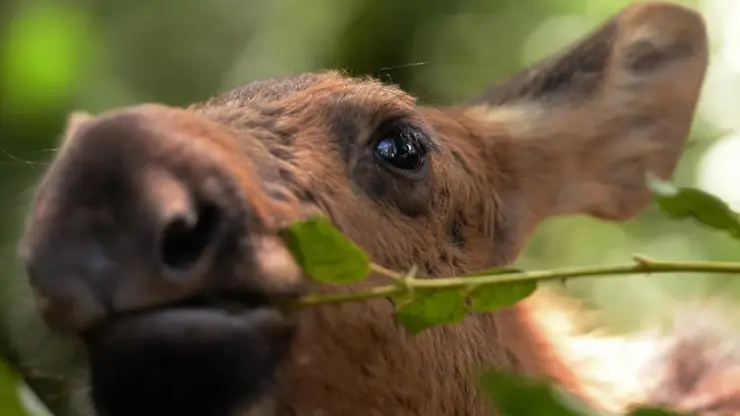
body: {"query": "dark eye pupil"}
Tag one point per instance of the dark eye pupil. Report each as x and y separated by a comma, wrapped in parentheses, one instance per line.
(400, 152)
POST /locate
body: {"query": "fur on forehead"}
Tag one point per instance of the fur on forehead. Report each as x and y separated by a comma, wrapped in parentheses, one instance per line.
(332, 83)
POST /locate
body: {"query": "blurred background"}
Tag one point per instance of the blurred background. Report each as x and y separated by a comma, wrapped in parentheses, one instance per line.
(95, 55)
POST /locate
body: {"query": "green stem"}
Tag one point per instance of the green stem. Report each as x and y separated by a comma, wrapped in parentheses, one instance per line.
(642, 265)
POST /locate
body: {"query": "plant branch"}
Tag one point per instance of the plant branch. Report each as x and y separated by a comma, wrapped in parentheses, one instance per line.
(383, 271)
(642, 265)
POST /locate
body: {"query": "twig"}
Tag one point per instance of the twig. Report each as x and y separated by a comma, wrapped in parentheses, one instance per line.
(642, 265)
(386, 272)
(405, 283)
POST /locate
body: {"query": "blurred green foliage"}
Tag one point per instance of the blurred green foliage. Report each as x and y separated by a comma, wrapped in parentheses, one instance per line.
(42, 47)
(100, 54)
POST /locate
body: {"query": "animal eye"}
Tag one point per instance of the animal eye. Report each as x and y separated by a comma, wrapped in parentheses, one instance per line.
(400, 151)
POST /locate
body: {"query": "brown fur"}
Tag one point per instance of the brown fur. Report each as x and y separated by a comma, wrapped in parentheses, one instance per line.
(574, 134)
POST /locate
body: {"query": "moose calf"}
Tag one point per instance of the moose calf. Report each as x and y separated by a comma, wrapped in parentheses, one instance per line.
(154, 232)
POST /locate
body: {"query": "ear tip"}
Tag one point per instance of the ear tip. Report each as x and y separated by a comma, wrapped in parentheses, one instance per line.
(662, 9)
(665, 21)
(656, 35)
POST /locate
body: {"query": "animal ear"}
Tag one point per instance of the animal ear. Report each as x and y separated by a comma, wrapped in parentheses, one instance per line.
(579, 131)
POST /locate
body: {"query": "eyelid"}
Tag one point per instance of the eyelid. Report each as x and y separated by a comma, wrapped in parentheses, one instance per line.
(413, 132)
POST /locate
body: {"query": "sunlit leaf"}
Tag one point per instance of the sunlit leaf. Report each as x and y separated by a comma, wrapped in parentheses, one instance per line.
(707, 209)
(487, 298)
(516, 396)
(432, 308)
(325, 253)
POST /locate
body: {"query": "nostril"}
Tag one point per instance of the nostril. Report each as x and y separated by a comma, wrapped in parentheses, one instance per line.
(186, 238)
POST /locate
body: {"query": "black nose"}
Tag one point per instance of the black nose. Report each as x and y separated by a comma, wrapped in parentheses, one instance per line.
(117, 225)
(187, 225)
(144, 242)
(186, 237)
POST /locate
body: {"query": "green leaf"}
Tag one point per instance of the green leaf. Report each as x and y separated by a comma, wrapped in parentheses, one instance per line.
(514, 395)
(486, 298)
(517, 396)
(492, 297)
(680, 202)
(432, 308)
(9, 403)
(324, 253)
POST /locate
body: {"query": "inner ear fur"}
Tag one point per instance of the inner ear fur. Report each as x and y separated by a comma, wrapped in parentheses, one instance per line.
(578, 132)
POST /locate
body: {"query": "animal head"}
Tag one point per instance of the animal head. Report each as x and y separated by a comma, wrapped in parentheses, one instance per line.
(154, 232)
